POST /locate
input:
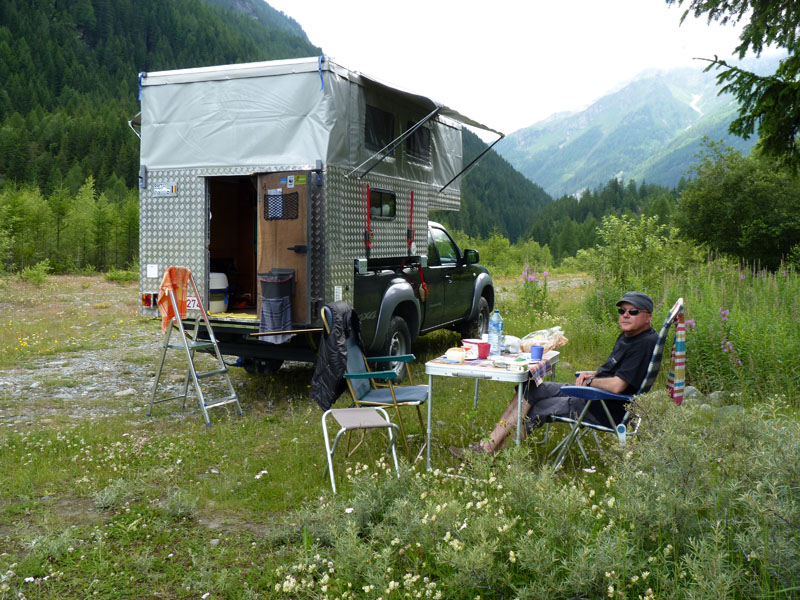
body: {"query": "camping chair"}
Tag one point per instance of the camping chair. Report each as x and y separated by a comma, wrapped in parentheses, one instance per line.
(622, 429)
(364, 389)
(357, 418)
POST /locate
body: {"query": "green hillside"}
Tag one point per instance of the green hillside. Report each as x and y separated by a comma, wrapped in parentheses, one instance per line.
(650, 129)
(494, 196)
(69, 75)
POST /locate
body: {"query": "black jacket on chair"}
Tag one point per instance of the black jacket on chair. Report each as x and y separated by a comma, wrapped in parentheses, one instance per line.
(328, 381)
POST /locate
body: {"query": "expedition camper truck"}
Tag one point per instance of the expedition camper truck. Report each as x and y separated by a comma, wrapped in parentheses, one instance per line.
(297, 179)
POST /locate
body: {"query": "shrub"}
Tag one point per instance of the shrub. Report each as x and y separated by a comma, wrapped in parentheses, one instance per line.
(677, 513)
(634, 254)
(120, 276)
(36, 274)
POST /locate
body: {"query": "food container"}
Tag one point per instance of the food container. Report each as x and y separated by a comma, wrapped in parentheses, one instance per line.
(518, 365)
(456, 354)
(476, 348)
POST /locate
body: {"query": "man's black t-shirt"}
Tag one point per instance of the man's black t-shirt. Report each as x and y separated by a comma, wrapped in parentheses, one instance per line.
(629, 359)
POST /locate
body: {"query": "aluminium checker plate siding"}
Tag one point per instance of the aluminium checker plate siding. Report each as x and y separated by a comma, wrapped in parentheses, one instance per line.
(174, 229)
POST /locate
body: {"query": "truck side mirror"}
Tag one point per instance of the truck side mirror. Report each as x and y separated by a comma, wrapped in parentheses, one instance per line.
(471, 257)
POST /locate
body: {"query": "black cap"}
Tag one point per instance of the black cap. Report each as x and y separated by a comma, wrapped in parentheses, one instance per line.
(639, 300)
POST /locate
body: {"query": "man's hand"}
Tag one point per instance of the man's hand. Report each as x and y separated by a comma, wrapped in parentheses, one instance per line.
(583, 376)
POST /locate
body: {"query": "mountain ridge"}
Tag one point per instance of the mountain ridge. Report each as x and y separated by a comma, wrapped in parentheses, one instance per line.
(649, 128)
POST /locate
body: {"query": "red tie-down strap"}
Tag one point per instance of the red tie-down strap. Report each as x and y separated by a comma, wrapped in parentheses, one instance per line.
(368, 222)
(423, 287)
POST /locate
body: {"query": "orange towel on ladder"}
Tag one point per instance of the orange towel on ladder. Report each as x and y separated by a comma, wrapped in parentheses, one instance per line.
(177, 280)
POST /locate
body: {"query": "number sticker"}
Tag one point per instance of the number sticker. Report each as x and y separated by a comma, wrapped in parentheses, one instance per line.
(192, 303)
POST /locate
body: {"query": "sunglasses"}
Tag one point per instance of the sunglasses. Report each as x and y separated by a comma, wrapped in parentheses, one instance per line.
(631, 311)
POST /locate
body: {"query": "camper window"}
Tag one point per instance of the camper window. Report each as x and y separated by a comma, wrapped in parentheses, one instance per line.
(382, 203)
(378, 128)
(418, 144)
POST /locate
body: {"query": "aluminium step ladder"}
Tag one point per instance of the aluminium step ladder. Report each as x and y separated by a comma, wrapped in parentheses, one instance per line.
(191, 343)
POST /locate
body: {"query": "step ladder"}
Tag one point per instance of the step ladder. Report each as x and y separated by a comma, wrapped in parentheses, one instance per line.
(191, 343)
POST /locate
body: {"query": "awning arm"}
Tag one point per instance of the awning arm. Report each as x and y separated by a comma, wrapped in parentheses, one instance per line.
(390, 147)
(472, 162)
(136, 122)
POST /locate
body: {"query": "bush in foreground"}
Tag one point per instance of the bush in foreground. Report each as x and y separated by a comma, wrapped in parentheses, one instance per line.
(703, 505)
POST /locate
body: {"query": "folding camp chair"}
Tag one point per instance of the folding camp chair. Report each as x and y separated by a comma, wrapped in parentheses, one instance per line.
(622, 429)
(352, 419)
(363, 386)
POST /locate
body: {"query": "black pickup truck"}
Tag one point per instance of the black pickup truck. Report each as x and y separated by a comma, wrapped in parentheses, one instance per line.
(396, 300)
(393, 311)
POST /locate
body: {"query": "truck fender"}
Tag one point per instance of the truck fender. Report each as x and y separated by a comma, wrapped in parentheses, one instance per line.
(482, 282)
(398, 294)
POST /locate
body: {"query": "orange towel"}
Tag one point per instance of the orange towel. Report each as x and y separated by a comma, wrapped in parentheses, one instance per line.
(177, 280)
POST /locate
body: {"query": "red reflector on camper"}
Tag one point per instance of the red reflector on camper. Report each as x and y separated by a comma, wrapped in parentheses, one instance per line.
(148, 300)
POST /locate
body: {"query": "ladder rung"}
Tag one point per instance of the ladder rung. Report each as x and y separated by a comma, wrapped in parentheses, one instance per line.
(212, 373)
(168, 399)
(221, 401)
(192, 345)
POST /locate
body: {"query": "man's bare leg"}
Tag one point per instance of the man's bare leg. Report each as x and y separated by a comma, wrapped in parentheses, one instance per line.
(507, 423)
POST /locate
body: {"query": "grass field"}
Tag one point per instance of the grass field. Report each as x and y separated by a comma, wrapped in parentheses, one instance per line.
(98, 500)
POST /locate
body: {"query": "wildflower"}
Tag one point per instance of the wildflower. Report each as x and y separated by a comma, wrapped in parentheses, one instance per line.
(512, 557)
(611, 502)
(741, 277)
(611, 591)
(546, 274)
(691, 323)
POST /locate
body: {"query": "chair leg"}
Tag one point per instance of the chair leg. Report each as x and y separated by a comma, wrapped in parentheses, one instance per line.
(402, 430)
(425, 439)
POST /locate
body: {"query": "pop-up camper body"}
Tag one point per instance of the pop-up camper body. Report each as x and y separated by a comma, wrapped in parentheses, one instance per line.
(256, 169)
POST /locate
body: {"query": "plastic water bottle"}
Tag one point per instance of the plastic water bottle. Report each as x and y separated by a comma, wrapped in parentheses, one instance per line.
(495, 332)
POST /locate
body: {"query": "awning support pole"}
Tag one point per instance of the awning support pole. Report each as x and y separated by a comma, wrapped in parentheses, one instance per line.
(390, 147)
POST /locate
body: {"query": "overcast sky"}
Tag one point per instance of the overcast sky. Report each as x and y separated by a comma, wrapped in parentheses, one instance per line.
(508, 63)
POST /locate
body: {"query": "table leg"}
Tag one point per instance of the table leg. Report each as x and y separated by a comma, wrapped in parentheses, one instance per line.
(519, 413)
(430, 408)
(475, 403)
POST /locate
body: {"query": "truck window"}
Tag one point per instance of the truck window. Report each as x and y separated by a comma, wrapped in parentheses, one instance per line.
(433, 254)
(418, 144)
(382, 203)
(448, 254)
(378, 128)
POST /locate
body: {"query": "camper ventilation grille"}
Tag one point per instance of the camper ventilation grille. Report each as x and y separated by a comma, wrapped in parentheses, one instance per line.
(281, 206)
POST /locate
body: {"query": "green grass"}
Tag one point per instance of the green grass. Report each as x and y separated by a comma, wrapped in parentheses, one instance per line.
(704, 503)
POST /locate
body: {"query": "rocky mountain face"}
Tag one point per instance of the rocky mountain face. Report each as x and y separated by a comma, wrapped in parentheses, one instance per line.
(648, 130)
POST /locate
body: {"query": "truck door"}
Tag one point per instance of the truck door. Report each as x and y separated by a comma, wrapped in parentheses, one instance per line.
(456, 274)
(283, 200)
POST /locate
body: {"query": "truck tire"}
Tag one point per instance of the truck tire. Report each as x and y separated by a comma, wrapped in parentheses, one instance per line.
(261, 366)
(398, 341)
(475, 328)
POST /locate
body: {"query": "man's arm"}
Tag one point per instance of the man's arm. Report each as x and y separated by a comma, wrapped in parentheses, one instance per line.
(615, 385)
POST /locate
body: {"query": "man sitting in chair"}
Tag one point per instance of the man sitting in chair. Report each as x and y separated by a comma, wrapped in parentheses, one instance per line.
(622, 373)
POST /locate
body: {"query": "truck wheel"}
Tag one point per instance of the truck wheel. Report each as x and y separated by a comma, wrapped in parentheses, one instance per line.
(398, 341)
(479, 325)
(261, 366)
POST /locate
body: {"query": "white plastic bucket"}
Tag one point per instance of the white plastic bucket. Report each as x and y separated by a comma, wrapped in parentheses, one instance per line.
(217, 293)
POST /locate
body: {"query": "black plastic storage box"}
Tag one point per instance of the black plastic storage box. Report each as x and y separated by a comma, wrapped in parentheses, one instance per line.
(278, 283)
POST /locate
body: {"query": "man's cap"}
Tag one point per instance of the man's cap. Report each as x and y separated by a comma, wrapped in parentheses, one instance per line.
(639, 300)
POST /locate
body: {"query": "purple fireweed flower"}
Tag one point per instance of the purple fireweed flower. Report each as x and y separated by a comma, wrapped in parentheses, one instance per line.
(691, 323)
(531, 277)
(545, 274)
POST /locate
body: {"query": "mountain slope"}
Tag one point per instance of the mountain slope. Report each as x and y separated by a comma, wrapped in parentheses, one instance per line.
(494, 196)
(649, 129)
(69, 75)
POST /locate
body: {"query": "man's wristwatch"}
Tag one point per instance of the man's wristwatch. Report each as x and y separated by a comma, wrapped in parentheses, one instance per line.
(588, 381)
